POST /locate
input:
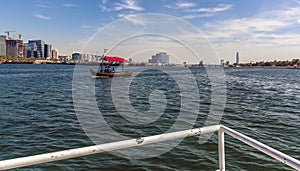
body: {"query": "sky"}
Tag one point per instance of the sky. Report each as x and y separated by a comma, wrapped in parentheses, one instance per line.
(260, 30)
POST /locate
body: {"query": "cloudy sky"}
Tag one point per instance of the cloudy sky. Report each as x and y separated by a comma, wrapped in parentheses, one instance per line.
(260, 30)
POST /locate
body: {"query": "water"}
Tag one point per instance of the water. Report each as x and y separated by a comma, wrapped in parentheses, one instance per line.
(37, 115)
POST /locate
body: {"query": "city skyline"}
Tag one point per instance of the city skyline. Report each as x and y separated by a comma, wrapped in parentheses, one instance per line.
(258, 30)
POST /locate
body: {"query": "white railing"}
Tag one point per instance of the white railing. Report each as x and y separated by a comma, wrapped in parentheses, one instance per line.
(49, 157)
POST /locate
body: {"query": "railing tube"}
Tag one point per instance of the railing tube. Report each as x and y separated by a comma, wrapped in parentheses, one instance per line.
(288, 160)
(60, 155)
(221, 149)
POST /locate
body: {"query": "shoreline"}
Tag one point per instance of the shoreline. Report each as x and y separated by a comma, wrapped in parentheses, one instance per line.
(95, 64)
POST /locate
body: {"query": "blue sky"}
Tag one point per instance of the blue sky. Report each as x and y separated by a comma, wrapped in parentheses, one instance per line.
(258, 29)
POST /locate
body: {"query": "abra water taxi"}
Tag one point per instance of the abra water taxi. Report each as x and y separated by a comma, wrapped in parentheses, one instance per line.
(107, 69)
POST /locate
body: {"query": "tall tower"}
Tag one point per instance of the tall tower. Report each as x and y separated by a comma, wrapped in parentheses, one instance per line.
(2, 45)
(237, 58)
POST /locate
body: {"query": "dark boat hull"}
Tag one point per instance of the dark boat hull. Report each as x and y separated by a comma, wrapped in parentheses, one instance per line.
(106, 75)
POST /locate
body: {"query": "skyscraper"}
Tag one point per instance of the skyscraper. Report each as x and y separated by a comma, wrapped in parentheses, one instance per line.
(31, 49)
(237, 58)
(47, 50)
(54, 54)
(11, 47)
(2, 45)
(39, 48)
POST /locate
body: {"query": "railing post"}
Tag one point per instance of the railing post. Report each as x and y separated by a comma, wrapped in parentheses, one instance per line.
(221, 149)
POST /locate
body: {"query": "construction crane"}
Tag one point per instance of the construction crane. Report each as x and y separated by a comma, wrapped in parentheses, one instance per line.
(8, 33)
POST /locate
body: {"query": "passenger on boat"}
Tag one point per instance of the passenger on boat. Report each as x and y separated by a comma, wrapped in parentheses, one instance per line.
(113, 70)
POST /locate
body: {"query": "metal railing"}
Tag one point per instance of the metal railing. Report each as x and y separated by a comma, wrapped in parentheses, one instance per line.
(60, 155)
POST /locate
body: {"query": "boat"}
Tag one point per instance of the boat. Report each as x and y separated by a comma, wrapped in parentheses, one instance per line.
(103, 74)
(107, 72)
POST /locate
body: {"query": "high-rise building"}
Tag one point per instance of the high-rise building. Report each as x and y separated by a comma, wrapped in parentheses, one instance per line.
(76, 56)
(28, 52)
(47, 50)
(161, 57)
(20, 48)
(12, 47)
(237, 58)
(39, 53)
(32, 49)
(2, 45)
(54, 54)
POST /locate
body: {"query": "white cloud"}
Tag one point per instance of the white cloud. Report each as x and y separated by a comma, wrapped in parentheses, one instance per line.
(191, 16)
(44, 4)
(219, 8)
(288, 14)
(181, 5)
(243, 25)
(270, 23)
(185, 4)
(297, 1)
(135, 19)
(277, 39)
(191, 11)
(70, 5)
(128, 5)
(42, 16)
(85, 27)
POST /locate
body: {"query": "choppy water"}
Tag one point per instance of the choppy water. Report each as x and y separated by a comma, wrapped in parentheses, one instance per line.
(37, 115)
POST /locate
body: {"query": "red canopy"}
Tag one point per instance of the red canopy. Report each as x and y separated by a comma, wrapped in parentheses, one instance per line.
(114, 59)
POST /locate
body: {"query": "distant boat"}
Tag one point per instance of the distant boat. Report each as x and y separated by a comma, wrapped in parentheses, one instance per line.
(96, 74)
(107, 73)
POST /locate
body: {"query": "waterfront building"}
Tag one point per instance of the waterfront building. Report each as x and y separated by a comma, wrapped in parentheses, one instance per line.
(47, 50)
(159, 58)
(2, 45)
(237, 58)
(39, 53)
(27, 51)
(20, 48)
(54, 54)
(76, 56)
(32, 49)
(11, 47)
(222, 62)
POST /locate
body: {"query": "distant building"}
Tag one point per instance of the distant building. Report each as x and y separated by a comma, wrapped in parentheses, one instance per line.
(32, 49)
(47, 50)
(222, 62)
(39, 53)
(11, 47)
(27, 51)
(54, 54)
(2, 45)
(159, 58)
(76, 56)
(227, 63)
(237, 58)
(20, 48)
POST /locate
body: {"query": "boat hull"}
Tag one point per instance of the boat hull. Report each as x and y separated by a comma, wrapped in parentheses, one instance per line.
(96, 74)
